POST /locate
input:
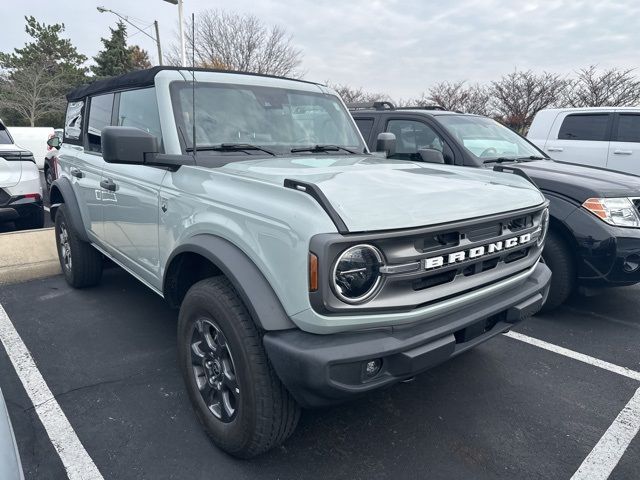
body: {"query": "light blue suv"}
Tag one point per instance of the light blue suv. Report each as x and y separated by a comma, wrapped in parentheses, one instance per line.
(306, 270)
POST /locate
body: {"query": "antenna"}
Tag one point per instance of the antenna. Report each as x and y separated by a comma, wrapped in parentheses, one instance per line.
(193, 82)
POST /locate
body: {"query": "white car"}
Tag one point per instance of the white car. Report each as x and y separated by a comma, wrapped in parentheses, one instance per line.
(605, 137)
(33, 139)
(20, 187)
(10, 466)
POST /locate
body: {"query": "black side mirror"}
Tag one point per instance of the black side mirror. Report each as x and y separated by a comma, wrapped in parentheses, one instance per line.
(386, 143)
(54, 142)
(431, 155)
(127, 145)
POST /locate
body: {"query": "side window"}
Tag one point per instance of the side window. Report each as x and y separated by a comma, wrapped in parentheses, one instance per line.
(139, 108)
(100, 109)
(73, 122)
(592, 126)
(628, 128)
(365, 125)
(411, 136)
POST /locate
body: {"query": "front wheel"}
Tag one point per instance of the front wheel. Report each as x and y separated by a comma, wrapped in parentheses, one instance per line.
(237, 396)
(559, 258)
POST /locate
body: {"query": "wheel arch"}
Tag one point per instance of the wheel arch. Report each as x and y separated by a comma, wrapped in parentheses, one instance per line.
(206, 255)
(62, 192)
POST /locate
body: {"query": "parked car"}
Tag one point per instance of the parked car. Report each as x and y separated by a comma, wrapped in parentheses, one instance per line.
(594, 237)
(604, 137)
(20, 188)
(34, 140)
(10, 465)
(51, 158)
(306, 270)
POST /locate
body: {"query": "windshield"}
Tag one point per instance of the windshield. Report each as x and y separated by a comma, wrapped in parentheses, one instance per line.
(274, 118)
(486, 139)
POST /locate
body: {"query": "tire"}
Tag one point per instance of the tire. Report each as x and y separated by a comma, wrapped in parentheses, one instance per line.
(48, 176)
(31, 222)
(260, 414)
(558, 257)
(81, 263)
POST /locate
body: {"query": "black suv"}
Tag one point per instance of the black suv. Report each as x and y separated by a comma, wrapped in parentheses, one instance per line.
(594, 238)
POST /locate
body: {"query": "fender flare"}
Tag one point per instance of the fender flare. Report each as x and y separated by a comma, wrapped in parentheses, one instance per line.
(247, 279)
(63, 185)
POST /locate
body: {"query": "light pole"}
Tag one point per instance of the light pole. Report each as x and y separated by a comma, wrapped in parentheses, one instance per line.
(156, 39)
(183, 50)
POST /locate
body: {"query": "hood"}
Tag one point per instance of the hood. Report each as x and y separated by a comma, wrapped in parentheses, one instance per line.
(581, 182)
(371, 193)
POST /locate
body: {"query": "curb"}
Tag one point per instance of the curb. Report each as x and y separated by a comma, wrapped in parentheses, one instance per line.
(28, 255)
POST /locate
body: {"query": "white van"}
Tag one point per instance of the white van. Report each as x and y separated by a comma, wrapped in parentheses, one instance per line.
(607, 137)
(33, 139)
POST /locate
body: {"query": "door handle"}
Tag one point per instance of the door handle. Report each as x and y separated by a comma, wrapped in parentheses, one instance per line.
(555, 149)
(108, 184)
(76, 173)
(623, 152)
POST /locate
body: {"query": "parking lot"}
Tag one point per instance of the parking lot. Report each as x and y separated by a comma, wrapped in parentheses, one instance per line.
(507, 409)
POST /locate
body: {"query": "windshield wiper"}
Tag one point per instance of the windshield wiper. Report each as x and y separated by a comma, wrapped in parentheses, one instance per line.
(322, 148)
(231, 147)
(513, 159)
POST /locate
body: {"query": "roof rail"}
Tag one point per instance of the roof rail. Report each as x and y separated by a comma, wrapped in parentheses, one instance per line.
(380, 105)
(423, 107)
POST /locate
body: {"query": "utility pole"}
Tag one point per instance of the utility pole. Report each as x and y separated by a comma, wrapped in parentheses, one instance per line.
(183, 48)
(155, 24)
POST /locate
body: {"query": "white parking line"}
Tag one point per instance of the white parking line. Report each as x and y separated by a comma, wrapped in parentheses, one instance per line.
(76, 460)
(604, 457)
(581, 357)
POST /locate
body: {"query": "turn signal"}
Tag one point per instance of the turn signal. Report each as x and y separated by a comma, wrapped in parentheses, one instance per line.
(313, 273)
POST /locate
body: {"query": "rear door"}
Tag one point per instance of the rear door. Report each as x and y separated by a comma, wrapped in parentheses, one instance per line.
(624, 150)
(581, 138)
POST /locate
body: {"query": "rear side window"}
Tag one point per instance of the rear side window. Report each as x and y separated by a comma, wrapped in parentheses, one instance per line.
(628, 128)
(139, 108)
(73, 122)
(585, 127)
(365, 125)
(5, 139)
(100, 110)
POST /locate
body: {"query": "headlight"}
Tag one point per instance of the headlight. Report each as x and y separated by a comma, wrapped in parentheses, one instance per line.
(356, 273)
(615, 211)
(544, 227)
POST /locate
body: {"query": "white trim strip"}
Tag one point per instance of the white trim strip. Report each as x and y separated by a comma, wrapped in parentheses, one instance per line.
(77, 462)
(47, 208)
(604, 457)
(581, 357)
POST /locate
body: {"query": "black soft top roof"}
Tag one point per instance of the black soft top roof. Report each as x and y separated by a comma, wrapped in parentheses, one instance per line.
(144, 78)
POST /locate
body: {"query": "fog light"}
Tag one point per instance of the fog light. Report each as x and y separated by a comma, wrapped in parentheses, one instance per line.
(631, 263)
(372, 368)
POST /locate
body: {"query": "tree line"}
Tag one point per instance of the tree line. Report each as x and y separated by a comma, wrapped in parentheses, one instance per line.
(35, 78)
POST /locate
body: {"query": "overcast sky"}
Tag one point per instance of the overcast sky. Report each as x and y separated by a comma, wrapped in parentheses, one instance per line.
(400, 47)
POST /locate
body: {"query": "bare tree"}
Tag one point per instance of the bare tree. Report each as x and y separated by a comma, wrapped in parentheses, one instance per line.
(33, 92)
(231, 41)
(518, 96)
(458, 96)
(356, 94)
(610, 88)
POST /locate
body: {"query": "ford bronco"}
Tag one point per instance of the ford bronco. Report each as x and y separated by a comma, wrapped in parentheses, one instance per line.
(306, 270)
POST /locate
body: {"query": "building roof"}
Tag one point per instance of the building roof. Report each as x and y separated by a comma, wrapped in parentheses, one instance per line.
(145, 78)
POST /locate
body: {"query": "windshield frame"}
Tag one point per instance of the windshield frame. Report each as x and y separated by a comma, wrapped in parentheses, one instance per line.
(176, 86)
(480, 161)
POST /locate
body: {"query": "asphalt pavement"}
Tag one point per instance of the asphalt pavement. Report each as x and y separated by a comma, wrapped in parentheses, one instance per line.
(504, 410)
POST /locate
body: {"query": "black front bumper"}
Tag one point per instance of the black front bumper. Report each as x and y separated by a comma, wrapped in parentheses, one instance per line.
(14, 208)
(604, 252)
(322, 370)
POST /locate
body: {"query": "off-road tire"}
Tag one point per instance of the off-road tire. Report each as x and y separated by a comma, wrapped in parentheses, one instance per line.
(559, 258)
(32, 222)
(48, 177)
(266, 412)
(85, 269)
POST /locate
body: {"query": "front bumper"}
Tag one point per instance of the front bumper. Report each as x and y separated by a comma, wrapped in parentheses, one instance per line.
(322, 370)
(18, 207)
(604, 251)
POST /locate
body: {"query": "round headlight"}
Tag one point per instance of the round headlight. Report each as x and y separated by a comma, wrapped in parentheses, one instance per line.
(356, 273)
(544, 227)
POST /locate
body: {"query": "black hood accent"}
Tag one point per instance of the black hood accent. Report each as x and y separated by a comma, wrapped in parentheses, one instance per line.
(580, 182)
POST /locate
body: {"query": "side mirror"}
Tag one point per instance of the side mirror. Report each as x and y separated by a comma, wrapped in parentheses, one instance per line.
(431, 155)
(386, 143)
(54, 142)
(127, 145)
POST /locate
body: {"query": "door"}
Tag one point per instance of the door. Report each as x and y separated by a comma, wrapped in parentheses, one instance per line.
(130, 192)
(624, 150)
(581, 138)
(85, 171)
